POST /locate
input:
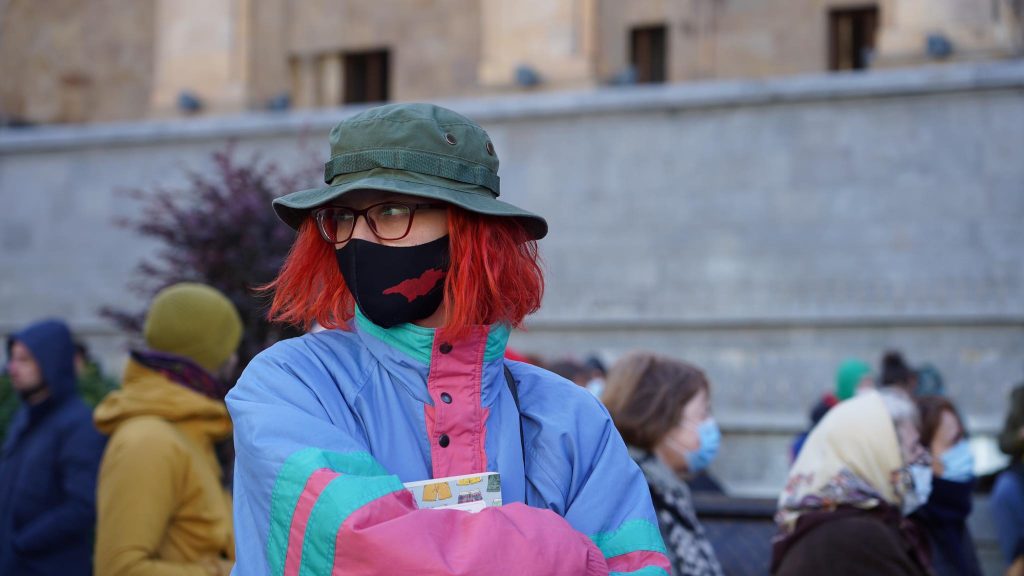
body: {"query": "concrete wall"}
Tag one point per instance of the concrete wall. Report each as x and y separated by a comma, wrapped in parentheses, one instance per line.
(764, 230)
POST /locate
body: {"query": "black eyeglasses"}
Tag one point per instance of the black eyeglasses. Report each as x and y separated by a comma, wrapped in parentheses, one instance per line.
(387, 220)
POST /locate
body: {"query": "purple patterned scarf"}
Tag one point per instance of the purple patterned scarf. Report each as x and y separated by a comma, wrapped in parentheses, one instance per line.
(183, 371)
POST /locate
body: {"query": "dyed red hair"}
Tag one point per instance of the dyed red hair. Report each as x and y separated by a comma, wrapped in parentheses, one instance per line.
(494, 276)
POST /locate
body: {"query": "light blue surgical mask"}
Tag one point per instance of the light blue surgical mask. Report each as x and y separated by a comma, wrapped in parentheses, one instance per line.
(710, 438)
(958, 463)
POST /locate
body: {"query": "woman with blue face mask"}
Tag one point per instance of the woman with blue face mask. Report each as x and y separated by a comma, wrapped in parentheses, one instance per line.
(944, 516)
(662, 408)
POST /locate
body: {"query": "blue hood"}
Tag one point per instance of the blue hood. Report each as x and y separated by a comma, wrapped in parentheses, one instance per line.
(51, 344)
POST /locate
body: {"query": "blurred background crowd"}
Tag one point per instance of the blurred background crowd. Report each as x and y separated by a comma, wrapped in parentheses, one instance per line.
(811, 202)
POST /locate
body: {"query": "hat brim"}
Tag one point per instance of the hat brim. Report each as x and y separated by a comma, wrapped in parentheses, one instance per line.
(293, 208)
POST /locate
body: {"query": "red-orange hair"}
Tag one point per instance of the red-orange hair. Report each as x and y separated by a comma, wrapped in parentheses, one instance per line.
(494, 276)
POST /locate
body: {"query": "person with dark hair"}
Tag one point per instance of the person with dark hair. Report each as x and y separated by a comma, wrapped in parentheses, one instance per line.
(596, 374)
(929, 381)
(1007, 500)
(50, 459)
(895, 372)
(418, 272)
(944, 516)
(843, 509)
(1011, 437)
(162, 506)
(817, 412)
(569, 369)
(662, 408)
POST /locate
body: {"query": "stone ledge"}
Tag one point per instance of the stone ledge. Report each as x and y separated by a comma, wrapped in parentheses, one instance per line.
(97, 327)
(605, 100)
(753, 423)
(553, 324)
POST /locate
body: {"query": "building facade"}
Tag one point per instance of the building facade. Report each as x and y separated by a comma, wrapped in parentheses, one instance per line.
(104, 60)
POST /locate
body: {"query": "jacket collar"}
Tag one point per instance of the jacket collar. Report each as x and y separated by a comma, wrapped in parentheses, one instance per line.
(408, 351)
(417, 342)
(148, 392)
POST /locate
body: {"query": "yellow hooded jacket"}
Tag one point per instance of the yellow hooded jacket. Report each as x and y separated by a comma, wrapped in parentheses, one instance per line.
(161, 508)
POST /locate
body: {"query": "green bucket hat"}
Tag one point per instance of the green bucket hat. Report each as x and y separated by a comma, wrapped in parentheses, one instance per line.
(417, 149)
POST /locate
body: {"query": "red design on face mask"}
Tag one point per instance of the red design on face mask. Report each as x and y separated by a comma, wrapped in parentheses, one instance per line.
(416, 287)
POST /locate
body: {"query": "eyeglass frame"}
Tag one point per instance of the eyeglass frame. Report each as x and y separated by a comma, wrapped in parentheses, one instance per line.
(317, 214)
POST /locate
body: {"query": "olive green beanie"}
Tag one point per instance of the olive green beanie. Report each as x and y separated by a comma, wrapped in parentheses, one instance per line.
(194, 321)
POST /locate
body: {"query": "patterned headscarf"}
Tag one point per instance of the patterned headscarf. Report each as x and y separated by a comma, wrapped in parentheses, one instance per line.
(851, 458)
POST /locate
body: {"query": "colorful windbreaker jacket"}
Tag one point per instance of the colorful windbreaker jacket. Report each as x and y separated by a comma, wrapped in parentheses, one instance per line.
(329, 425)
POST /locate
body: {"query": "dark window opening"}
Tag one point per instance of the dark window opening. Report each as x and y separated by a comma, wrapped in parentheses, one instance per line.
(648, 54)
(366, 77)
(852, 33)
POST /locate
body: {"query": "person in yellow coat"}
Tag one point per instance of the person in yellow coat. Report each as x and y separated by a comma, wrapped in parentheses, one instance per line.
(161, 505)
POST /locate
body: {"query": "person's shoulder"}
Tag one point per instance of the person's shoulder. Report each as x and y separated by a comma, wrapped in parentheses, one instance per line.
(309, 354)
(540, 388)
(559, 405)
(74, 416)
(146, 435)
(1017, 395)
(851, 543)
(325, 343)
(862, 523)
(861, 533)
(73, 407)
(312, 363)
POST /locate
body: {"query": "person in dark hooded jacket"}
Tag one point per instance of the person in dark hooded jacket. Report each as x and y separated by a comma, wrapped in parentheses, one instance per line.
(50, 460)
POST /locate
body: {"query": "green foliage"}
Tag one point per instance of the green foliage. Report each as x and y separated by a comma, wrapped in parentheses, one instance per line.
(8, 404)
(94, 385)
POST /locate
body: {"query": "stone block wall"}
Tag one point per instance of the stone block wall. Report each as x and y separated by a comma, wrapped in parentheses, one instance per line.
(763, 230)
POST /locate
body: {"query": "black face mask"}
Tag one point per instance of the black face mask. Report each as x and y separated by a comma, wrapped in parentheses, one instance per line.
(395, 284)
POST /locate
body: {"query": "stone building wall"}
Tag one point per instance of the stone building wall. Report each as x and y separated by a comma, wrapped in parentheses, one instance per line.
(435, 44)
(764, 230)
(65, 61)
(72, 61)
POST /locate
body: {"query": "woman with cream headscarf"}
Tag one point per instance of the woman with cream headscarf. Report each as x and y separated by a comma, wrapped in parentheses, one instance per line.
(843, 510)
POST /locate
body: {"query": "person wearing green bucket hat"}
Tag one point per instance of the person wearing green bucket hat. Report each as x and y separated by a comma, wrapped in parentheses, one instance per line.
(418, 272)
(416, 149)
